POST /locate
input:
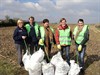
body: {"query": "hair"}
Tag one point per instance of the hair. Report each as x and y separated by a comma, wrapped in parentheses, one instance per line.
(19, 20)
(45, 20)
(31, 17)
(81, 20)
(62, 19)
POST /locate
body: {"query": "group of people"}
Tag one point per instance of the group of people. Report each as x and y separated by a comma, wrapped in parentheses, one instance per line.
(36, 36)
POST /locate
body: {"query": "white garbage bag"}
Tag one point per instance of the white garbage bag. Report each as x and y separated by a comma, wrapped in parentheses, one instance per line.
(74, 68)
(56, 58)
(26, 60)
(48, 69)
(36, 70)
(61, 66)
(37, 56)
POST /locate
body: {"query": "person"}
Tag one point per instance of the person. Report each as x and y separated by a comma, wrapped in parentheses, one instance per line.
(47, 39)
(19, 36)
(33, 34)
(63, 37)
(81, 36)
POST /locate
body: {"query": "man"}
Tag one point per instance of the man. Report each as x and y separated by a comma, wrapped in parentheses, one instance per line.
(33, 34)
(47, 39)
(81, 36)
(63, 38)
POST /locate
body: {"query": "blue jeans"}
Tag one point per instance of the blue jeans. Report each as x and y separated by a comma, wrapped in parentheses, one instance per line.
(81, 55)
(66, 49)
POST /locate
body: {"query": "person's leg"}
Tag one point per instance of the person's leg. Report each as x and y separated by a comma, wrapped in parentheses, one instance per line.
(67, 50)
(35, 47)
(62, 50)
(31, 48)
(82, 54)
(19, 50)
(77, 54)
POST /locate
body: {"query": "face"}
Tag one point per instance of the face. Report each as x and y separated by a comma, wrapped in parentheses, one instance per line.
(31, 20)
(46, 24)
(80, 24)
(20, 24)
(63, 23)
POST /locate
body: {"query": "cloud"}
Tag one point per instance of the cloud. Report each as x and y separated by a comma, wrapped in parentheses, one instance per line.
(72, 10)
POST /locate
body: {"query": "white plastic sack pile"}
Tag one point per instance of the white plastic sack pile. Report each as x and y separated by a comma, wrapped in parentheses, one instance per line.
(47, 69)
(32, 63)
(61, 66)
(74, 68)
(26, 60)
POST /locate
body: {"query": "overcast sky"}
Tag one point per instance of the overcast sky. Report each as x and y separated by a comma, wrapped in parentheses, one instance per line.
(54, 10)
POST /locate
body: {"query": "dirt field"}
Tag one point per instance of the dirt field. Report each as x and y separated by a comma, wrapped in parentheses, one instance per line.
(8, 54)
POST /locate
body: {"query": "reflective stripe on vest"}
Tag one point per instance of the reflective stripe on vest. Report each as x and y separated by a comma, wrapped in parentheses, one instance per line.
(80, 37)
(27, 26)
(64, 37)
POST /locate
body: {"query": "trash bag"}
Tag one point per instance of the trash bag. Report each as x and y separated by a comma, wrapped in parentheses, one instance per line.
(36, 69)
(56, 58)
(37, 56)
(26, 60)
(61, 66)
(74, 68)
(48, 69)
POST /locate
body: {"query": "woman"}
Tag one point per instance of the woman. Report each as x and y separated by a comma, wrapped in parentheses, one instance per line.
(19, 36)
(63, 38)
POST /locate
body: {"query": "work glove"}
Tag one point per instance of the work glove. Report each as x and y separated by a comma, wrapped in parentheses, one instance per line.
(59, 46)
(41, 42)
(80, 48)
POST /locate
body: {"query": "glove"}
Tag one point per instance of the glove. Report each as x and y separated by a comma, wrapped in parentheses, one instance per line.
(59, 46)
(80, 48)
(41, 42)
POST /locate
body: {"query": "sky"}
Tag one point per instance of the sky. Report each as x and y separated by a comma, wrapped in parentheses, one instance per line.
(54, 10)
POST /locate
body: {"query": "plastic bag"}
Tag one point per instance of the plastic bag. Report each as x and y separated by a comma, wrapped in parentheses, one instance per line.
(26, 60)
(48, 69)
(37, 56)
(56, 58)
(36, 70)
(74, 68)
(61, 66)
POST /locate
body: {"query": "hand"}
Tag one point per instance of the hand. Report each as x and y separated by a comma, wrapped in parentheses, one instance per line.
(41, 42)
(80, 48)
(23, 37)
(59, 46)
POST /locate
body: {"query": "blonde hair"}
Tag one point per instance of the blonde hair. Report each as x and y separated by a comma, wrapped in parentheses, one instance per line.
(19, 21)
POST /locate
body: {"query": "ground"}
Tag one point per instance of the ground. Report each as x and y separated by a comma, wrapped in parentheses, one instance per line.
(8, 53)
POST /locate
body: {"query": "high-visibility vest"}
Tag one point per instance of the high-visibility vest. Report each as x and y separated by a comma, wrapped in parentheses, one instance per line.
(28, 27)
(64, 37)
(42, 31)
(80, 36)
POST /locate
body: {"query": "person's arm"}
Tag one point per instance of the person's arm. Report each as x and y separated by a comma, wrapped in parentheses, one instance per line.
(86, 37)
(16, 36)
(57, 37)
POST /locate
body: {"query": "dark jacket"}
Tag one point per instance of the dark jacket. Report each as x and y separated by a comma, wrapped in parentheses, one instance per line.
(32, 36)
(17, 36)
